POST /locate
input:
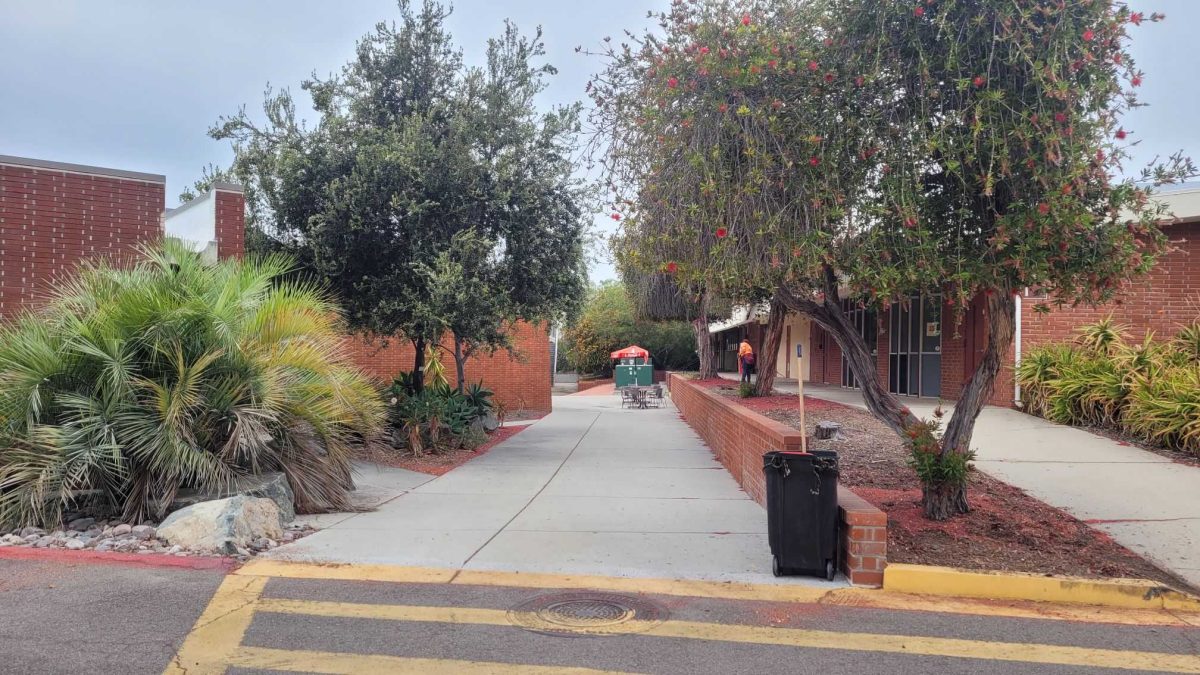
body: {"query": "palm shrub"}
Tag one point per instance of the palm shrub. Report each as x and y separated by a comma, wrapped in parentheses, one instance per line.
(137, 380)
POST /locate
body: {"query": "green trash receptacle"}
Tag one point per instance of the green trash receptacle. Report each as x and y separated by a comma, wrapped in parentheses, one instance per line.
(633, 372)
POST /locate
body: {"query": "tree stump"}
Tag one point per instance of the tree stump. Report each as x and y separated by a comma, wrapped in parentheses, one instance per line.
(828, 431)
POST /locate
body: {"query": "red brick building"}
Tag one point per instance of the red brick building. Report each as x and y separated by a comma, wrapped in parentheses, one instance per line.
(54, 215)
(922, 351)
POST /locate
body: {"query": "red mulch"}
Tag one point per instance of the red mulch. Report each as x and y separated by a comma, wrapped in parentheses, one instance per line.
(437, 465)
(1006, 529)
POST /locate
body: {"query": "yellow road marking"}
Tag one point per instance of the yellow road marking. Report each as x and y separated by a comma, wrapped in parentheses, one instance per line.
(219, 630)
(358, 664)
(847, 597)
(790, 637)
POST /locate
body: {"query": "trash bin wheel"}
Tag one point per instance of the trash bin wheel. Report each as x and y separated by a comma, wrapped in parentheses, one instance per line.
(829, 571)
(775, 566)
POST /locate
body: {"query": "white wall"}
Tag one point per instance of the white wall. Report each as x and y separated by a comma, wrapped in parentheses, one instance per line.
(785, 361)
(195, 222)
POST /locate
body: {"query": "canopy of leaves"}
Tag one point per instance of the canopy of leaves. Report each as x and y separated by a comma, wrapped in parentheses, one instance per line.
(134, 382)
(608, 323)
(894, 148)
(412, 148)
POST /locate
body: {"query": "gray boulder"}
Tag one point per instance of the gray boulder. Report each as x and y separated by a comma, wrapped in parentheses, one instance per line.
(223, 525)
(490, 422)
(273, 486)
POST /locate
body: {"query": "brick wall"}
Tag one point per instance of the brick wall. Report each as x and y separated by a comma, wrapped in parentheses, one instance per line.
(584, 385)
(54, 215)
(739, 437)
(231, 220)
(520, 383)
(1167, 297)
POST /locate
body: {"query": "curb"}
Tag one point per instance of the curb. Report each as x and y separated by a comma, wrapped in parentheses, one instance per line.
(67, 557)
(949, 581)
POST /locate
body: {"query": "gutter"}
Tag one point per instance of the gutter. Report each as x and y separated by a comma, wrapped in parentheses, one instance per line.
(1017, 359)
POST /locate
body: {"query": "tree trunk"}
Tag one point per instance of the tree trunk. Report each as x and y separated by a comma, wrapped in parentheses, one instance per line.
(705, 348)
(770, 350)
(419, 365)
(829, 315)
(944, 500)
(460, 363)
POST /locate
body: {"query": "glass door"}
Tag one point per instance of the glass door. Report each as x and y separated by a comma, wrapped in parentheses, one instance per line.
(864, 320)
(915, 347)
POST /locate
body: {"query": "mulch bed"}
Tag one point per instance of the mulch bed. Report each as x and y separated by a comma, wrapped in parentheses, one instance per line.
(1006, 529)
(439, 464)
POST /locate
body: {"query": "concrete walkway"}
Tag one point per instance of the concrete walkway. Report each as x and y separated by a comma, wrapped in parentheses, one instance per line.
(1146, 502)
(589, 489)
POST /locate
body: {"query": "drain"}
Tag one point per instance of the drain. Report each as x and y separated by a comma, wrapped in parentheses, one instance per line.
(579, 614)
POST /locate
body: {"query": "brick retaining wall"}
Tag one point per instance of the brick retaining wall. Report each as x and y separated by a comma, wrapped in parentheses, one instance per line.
(739, 437)
(584, 385)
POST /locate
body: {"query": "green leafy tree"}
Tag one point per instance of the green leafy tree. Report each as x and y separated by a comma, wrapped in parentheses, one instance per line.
(609, 322)
(860, 153)
(412, 147)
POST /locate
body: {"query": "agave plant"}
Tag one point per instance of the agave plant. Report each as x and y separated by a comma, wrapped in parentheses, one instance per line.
(1187, 341)
(137, 380)
(1103, 336)
(1166, 410)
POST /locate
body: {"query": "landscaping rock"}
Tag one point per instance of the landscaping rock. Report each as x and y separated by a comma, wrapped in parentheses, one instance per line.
(32, 530)
(81, 524)
(273, 486)
(143, 532)
(75, 545)
(121, 530)
(490, 422)
(223, 525)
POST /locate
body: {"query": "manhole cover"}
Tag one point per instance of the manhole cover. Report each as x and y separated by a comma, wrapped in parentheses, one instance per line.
(580, 614)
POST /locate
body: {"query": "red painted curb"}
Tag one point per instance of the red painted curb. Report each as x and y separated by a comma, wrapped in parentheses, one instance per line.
(113, 558)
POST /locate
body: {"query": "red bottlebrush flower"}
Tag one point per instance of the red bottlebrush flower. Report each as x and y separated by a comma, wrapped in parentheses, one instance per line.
(772, 64)
(910, 222)
(745, 19)
(666, 49)
(1060, 117)
(1136, 18)
(616, 216)
(979, 81)
(1043, 208)
(1100, 155)
(722, 233)
(723, 108)
(724, 53)
(1121, 134)
(828, 42)
(1089, 35)
(672, 268)
(813, 65)
(704, 50)
(858, 81)
(673, 82)
(776, 104)
(829, 77)
(1136, 81)
(919, 11)
(813, 161)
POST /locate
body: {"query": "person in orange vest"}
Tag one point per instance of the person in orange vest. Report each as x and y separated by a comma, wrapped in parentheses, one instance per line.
(745, 359)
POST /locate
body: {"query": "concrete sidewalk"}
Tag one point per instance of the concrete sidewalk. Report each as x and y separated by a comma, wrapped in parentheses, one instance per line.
(1146, 502)
(590, 489)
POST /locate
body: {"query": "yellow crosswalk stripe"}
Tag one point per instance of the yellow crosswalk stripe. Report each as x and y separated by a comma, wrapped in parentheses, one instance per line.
(845, 597)
(219, 630)
(333, 663)
(790, 637)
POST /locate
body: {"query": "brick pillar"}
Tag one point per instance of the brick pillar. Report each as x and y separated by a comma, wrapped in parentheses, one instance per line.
(231, 220)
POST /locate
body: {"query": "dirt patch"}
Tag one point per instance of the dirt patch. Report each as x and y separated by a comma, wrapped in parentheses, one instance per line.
(437, 465)
(1006, 529)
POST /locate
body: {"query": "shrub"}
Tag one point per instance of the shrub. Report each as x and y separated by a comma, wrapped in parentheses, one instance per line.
(745, 390)
(439, 418)
(1150, 389)
(135, 381)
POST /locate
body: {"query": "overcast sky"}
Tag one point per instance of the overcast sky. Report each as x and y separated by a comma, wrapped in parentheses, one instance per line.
(135, 84)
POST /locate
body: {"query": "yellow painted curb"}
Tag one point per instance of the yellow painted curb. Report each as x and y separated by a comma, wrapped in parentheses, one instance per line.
(948, 581)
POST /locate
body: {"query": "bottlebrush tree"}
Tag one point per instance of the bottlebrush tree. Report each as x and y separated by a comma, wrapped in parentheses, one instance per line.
(874, 151)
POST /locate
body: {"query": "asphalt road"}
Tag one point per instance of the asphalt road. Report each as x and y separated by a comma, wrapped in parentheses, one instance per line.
(58, 617)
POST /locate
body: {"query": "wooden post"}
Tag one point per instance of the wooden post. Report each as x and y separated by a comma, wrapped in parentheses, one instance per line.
(800, 388)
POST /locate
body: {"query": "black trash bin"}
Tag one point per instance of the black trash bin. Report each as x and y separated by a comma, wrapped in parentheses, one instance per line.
(802, 511)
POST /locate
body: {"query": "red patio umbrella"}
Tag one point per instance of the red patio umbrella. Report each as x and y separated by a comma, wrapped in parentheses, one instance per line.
(630, 352)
